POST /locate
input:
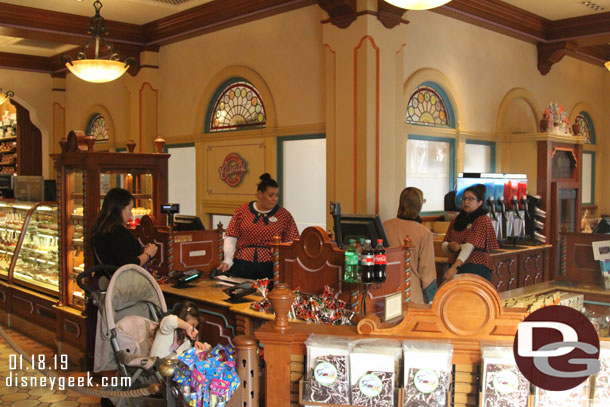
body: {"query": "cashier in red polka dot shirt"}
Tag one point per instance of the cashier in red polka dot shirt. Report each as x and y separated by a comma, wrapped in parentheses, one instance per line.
(247, 250)
(471, 237)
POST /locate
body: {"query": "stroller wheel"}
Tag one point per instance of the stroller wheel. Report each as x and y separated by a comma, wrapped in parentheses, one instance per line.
(104, 402)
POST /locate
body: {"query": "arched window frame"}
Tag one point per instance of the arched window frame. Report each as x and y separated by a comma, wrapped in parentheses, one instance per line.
(587, 119)
(91, 121)
(434, 134)
(444, 101)
(216, 100)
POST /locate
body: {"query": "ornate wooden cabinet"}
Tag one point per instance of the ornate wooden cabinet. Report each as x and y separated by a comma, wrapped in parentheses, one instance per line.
(83, 178)
(520, 267)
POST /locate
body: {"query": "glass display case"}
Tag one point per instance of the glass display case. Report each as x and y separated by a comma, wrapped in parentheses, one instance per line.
(12, 217)
(37, 262)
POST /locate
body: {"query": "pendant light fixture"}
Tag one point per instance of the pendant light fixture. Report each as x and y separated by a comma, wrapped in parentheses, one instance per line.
(5, 96)
(607, 65)
(97, 70)
(417, 4)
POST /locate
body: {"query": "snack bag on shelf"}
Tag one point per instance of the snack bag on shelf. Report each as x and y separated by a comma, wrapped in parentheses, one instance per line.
(373, 365)
(327, 379)
(427, 373)
(601, 386)
(502, 383)
(575, 397)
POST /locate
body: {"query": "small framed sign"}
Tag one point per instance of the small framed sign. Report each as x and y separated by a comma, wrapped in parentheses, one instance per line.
(393, 306)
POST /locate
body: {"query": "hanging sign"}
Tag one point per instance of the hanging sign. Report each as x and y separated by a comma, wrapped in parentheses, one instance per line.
(233, 169)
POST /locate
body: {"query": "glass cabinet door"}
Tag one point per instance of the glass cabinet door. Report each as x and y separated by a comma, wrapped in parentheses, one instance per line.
(138, 183)
(76, 238)
(12, 217)
(37, 263)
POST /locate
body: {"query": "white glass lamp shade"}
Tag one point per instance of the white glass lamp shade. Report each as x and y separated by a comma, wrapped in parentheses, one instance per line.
(97, 70)
(417, 4)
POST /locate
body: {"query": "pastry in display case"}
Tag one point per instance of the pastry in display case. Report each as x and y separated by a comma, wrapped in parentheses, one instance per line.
(37, 264)
(12, 216)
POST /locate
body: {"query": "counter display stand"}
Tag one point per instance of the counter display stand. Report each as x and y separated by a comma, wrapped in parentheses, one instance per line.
(83, 178)
(181, 250)
(12, 217)
(314, 261)
(445, 319)
(30, 251)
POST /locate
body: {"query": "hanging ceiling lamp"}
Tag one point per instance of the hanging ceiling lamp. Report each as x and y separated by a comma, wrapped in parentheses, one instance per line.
(4, 97)
(607, 65)
(417, 4)
(98, 70)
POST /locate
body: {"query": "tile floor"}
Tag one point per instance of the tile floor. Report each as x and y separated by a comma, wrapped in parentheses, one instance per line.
(38, 396)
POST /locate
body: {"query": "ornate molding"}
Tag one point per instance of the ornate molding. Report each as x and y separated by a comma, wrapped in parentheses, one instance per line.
(549, 54)
(389, 15)
(341, 12)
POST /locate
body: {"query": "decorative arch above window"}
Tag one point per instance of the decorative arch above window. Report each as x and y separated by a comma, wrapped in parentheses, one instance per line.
(98, 128)
(586, 129)
(237, 104)
(429, 106)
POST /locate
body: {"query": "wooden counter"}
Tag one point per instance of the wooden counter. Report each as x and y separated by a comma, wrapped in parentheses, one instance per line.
(223, 320)
(596, 298)
(514, 267)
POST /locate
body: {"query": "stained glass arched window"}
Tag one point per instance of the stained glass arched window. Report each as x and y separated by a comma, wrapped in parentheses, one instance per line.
(98, 128)
(585, 125)
(238, 104)
(429, 106)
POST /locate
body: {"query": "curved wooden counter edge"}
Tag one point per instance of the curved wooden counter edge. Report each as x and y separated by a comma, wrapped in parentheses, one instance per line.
(466, 310)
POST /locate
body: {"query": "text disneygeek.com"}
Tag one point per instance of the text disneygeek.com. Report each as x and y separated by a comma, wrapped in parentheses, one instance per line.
(61, 382)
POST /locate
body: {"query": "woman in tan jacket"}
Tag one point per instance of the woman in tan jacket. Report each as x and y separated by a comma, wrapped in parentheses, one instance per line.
(408, 223)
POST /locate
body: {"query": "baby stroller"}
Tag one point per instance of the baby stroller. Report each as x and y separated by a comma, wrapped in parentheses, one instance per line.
(130, 305)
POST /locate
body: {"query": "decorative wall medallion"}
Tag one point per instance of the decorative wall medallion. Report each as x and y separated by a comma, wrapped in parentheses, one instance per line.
(233, 169)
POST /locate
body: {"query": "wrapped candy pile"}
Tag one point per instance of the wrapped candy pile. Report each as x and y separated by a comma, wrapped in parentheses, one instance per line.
(321, 309)
(211, 376)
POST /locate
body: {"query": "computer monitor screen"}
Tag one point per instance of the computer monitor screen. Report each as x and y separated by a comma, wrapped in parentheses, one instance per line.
(361, 226)
(187, 222)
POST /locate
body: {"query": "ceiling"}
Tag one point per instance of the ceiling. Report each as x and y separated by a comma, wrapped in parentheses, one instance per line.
(34, 34)
(126, 11)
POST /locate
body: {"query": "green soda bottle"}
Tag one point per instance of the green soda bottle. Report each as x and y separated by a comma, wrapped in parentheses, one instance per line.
(351, 262)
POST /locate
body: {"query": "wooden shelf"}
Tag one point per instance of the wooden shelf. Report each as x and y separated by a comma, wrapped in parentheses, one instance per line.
(11, 151)
(8, 164)
(11, 138)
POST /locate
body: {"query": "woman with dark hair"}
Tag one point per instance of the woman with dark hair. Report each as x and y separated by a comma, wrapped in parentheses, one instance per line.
(247, 251)
(471, 237)
(408, 223)
(112, 243)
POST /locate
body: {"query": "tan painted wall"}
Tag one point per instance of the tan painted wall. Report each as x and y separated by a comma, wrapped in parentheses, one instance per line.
(82, 98)
(482, 67)
(286, 51)
(287, 54)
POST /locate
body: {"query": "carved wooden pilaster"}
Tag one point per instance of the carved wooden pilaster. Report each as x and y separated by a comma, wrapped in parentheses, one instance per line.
(341, 12)
(549, 54)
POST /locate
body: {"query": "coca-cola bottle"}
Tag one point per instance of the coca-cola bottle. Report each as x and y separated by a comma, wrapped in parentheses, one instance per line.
(380, 262)
(368, 262)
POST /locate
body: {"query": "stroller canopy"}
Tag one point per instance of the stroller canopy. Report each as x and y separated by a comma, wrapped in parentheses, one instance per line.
(134, 293)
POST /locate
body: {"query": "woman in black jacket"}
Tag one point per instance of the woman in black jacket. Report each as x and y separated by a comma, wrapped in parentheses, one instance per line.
(112, 243)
